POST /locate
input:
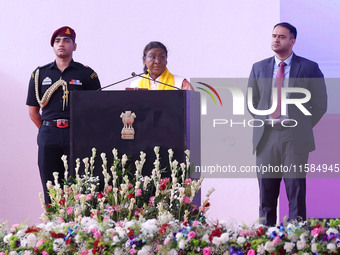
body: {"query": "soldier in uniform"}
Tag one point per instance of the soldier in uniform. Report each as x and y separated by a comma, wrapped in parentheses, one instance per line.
(48, 102)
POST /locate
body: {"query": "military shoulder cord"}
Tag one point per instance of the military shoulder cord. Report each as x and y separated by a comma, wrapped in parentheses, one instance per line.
(49, 92)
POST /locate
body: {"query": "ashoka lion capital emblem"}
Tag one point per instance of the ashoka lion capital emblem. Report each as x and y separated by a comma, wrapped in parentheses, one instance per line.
(128, 131)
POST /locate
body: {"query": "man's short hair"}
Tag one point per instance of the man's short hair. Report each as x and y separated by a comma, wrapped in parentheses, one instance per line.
(290, 27)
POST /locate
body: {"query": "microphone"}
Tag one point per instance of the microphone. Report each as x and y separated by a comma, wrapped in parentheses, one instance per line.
(146, 72)
(133, 75)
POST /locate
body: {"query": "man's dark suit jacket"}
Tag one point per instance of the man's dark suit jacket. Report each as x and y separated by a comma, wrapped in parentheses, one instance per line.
(303, 74)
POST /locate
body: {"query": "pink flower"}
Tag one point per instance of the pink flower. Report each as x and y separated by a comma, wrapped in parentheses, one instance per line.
(2, 253)
(116, 208)
(191, 235)
(139, 192)
(207, 251)
(70, 191)
(78, 196)
(195, 223)
(186, 200)
(120, 224)
(69, 210)
(84, 252)
(151, 200)
(187, 181)
(109, 188)
(45, 253)
(132, 251)
(246, 232)
(60, 220)
(316, 231)
(40, 242)
(136, 213)
(88, 197)
(167, 240)
(158, 247)
(15, 225)
(251, 252)
(96, 233)
(277, 240)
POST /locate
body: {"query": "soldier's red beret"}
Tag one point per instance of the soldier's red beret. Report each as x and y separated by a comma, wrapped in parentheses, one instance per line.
(64, 31)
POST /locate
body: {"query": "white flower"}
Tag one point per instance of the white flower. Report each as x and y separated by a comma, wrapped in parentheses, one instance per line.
(156, 150)
(224, 237)
(120, 231)
(7, 237)
(187, 152)
(260, 249)
(129, 224)
(165, 217)
(118, 251)
(89, 223)
(181, 244)
(211, 190)
(241, 240)
(269, 246)
(303, 236)
(146, 250)
(20, 233)
(27, 253)
(301, 245)
(115, 240)
(13, 253)
(289, 247)
(315, 248)
(59, 245)
(206, 238)
(124, 159)
(149, 226)
(172, 252)
(179, 236)
(217, 241)
(331, 247)
(115, 153)
(31, 240)
(171, 153)
(293, 237)
(332, 230)
(271, 230)
(49, 185)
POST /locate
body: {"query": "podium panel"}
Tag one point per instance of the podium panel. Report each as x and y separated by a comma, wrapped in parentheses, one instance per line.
(169, 119)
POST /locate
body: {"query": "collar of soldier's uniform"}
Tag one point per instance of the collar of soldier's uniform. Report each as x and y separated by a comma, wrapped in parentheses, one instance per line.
(54, 65)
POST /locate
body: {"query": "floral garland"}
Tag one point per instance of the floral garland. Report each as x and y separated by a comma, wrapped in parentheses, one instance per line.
(150, 215)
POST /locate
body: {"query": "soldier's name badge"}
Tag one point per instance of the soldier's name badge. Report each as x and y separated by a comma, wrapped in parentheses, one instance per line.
(76, 82)
(47, 81)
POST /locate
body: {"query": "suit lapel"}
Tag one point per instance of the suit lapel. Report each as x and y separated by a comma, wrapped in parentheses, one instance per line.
(268, 74)
(294, 70)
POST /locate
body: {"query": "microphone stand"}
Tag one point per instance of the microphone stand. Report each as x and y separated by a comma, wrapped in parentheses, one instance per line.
(133, 76)
(140, 75)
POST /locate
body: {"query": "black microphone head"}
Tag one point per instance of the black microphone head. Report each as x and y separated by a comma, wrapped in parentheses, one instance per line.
(134, 74)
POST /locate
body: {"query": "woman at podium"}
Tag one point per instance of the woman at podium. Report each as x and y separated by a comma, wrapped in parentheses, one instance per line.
(158, 76)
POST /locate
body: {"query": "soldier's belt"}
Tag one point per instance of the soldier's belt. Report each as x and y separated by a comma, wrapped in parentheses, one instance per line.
(60, 123)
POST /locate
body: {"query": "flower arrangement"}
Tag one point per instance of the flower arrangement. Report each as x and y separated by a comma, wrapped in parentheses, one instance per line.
(125, 195)
(169, 236)
(151, 215)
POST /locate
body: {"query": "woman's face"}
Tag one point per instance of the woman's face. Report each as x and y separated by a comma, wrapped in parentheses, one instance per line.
(155, 60)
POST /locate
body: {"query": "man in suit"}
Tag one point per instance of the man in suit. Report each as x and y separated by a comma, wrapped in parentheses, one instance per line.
(286, 138)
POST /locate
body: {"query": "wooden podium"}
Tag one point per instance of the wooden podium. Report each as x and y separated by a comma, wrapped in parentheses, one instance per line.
(169, 119)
